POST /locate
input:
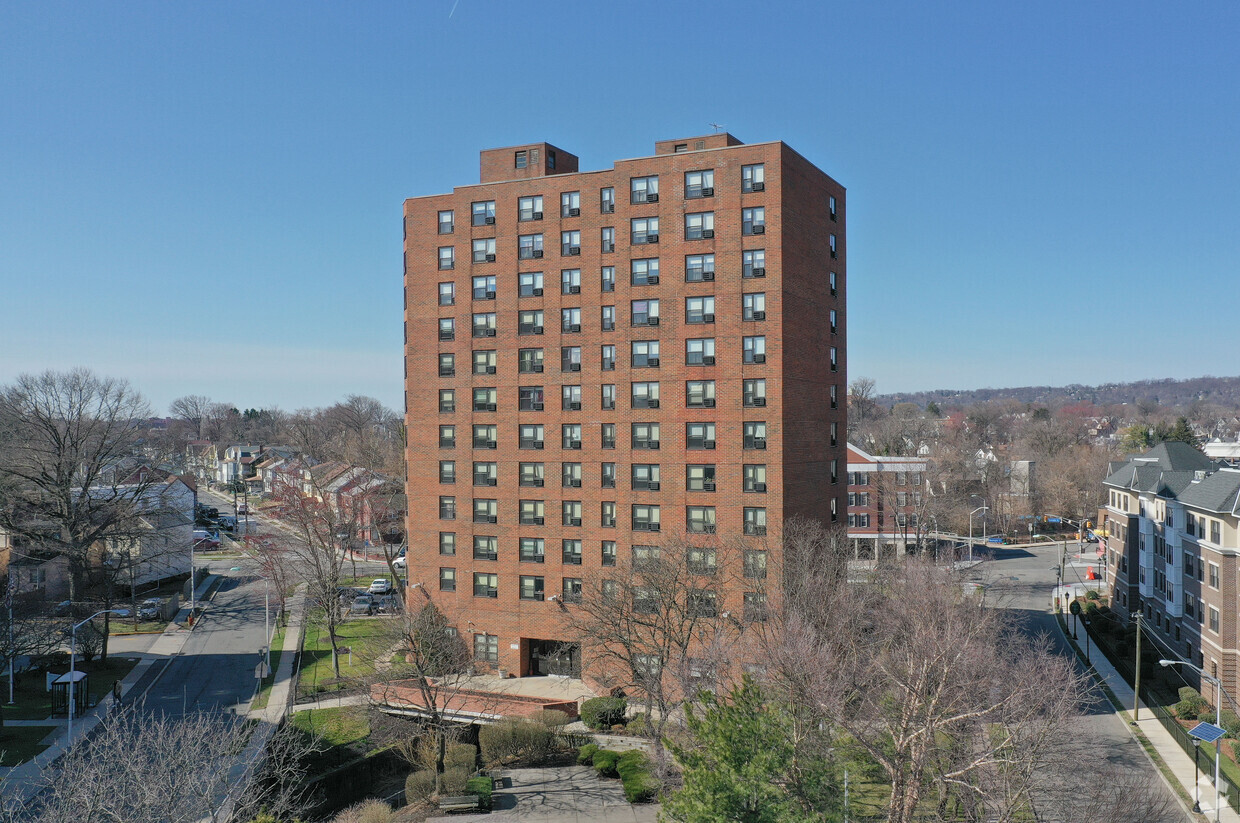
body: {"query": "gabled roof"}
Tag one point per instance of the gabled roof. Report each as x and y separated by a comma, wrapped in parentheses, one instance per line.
(1217, 492)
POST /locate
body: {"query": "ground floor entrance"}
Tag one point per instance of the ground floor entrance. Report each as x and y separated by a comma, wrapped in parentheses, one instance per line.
(553, 657)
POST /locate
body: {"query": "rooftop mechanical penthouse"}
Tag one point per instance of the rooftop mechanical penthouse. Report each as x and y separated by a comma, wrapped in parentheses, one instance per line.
(599, 361)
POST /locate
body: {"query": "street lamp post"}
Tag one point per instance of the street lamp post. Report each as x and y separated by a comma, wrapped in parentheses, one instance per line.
(1196, 777)
(975, 511)
(1218, 721)
(73, 665)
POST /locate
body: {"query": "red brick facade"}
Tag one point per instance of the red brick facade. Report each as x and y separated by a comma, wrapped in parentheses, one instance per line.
(793, 339)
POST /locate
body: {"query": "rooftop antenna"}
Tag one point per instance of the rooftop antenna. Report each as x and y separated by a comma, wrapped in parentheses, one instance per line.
(717, 127)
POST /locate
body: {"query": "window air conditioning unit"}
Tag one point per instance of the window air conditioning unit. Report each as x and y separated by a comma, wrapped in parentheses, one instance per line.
(574, 289)
(708, 444)
(759, 487)
(538, 252)
(758, 186)
(652, 362)
(652, 198)
(708, 276)
(490, 370)
(490, 258)
(708, 360)
(538, 369)
(652, 321)
(652, 404)
(490, 407)
(574, 250)
(574, 444)
(759, 229)
(708, 403)
(490, 221)
(491, 444)
(538, 215)
(708, 234)
(574, 212)
(652, 444)
(759, 315)
(488, 332)
(574, 327)
(759, 401)
(759, 442)
(538, 521)
(609, 208)
(653, 485)
(492, 518)
(538, 407)
(652, 280)
(574, 521)
(708, 486)
(492, 481)
(538, 293)
(708, 191)
(759, 271)
(759, 358)
(708, 318)
(575, 405)
(490, 295)
(539, 482)
(574, 367)
(652, 238)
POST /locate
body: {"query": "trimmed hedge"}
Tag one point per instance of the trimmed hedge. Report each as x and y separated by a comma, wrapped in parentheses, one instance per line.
(605, 762)
(480, 786)
(639, 784)
(515, 738)
(585, 756)
(1191, 704)
(603, 712)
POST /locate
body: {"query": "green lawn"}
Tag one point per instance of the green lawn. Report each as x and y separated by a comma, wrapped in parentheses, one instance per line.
(368, 637)
(34, 702)
(339, 726)
(21, 743)
(264, 689)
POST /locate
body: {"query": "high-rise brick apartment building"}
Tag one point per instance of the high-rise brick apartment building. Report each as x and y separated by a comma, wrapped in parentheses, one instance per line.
(596, 361)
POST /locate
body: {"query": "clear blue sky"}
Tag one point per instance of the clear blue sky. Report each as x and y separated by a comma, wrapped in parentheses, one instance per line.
(206, 197)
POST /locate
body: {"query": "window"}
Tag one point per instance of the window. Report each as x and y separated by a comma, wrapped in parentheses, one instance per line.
(609, 318)
(753, 178)
(699, 310)
(571, 513)
(447, 294)
(447, 258)
(608, 358)
(835, 359)
(755, 607)
(486, 647)
(571, 551)
(447, 365)
(532, 513)
(700, 225)
(609, 396)
(1214, 620)
(447, 328)
(484, 213)
(700, 351)
(699, 268)
(522, 159)
(753, 221)
(447, 580)
(644, 189)
(570, 204)
(571, 591)
(646, 436)
(530, 436)
(645, 476)
(644, 312)
(643, 230)
(486, 548)
(607, 514)
(699, 184)
(531, 588)
(484, 250)
(700, 394)
(755, 564)
(485, 436)
(755, 478)
(645, 395)
(484, 324)
(646, 667)
(753, 349)
(755, 521)
(701, 560)
(699, 435)
(447, 508)
(609, 553)
(486, 511)
(607, 435)
(529, 246)
(1214, 582)
(607, 200)
(608, 239)
(570, 358)
(831, 207)
(645, 518)
(484, 361)
(834, 251)
(570, 282)
(754, 393)
(486, 473)
(702, 603)
(570, 320)
(700, 477)
(753, 263)
(834, 397)
(570, 243)
(609, 278)
(529, 208)
(645, 354)
(530, 284)
(755, 435)
(644, 271)
(644, 554)
(571, 398)
(484, 288)
(532, 550)
(447, 543)
(570, 475)
(447, 437)
(530, 361)
(550, 158)
(530, 322)
(571, 435)
(447, 222)
(531, 474)
(1216, 532)
(447, 471)
(447, 401)
(753, 306)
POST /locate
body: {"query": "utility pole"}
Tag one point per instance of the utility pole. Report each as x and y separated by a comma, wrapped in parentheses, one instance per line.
(1136, 679)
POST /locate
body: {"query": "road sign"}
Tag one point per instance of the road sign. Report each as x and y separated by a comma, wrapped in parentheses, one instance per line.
(1075, 607)
(261, 670)
(1206, 732)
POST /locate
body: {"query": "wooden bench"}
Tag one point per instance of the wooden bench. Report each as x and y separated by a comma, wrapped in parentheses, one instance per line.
(464, 803)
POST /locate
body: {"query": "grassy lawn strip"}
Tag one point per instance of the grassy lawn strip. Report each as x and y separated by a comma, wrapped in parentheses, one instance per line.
(21, 743)
(337, 726)
(264, 689)
(363, 635)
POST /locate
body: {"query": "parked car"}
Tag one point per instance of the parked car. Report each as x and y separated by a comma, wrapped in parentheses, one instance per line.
(387, 604)
(149, 610)
(380, 585)
(206, 540)
(228, 523)
(362, 604)
(399, 563)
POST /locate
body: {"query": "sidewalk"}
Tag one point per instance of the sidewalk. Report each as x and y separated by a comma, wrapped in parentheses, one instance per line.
(1178, 761)
(134, 685)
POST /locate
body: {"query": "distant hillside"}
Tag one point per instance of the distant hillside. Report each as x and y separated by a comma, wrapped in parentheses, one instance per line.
(1224, 391)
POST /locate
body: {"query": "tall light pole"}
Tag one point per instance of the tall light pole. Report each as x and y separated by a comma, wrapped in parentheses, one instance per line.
(73, 666)
(1218, 721)
(975, 511)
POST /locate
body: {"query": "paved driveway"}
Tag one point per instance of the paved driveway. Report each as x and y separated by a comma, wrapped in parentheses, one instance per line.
(564, 794)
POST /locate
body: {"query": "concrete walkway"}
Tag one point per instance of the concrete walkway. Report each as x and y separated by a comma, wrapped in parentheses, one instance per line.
(282, 686)
(1178, 761)
(564, 794)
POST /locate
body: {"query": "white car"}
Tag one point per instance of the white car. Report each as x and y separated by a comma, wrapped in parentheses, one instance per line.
(380, 585)
(399, 563)
(362, 604)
